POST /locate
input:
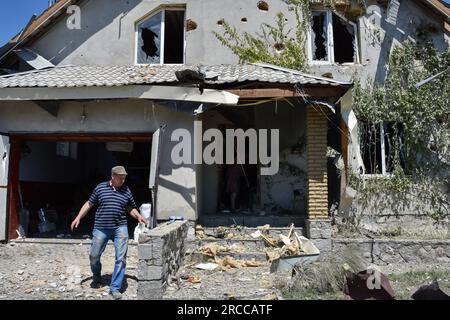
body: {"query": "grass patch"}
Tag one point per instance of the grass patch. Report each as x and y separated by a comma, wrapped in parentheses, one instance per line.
(403, 285)
(323, 279)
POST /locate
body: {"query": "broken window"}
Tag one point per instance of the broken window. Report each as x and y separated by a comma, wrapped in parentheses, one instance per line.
(161, 38)
(333, 39)
(379, 144)
(319, 39)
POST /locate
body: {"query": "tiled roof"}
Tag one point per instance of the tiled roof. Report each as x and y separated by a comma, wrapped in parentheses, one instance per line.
(89, 76)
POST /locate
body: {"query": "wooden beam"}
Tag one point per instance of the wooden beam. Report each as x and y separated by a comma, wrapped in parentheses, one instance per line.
(83, 137)
(13, 189)
(309, 92)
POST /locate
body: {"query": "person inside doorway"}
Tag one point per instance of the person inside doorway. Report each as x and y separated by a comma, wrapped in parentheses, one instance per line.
(113, 200)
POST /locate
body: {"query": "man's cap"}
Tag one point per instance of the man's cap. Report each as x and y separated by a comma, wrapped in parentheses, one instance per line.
(118, 170)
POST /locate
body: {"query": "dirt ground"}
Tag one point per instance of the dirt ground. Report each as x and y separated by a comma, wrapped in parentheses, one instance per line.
(61, 272)
(251, 283)
(58, 272)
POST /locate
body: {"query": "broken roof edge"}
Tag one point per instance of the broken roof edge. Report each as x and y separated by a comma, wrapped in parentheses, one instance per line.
(34, 71)
(151, 92)
(30, 29)
(439, 7)
(89, 75)
(275, 67)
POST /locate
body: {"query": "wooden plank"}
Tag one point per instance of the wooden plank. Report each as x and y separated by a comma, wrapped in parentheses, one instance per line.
(308, 92)
(83, 137)
(13, 187)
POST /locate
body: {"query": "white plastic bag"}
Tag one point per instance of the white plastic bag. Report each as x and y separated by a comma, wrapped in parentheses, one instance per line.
(137, 231)
(146, 212)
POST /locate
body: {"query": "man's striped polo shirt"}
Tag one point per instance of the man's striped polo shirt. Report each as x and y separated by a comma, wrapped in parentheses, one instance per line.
(112, 205)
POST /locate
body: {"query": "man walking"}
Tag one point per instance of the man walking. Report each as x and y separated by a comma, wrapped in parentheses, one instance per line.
(114, 201)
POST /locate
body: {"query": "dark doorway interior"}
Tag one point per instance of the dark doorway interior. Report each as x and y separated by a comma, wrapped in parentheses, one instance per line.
(58, 177)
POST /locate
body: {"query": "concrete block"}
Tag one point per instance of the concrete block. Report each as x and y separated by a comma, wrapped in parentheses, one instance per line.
(145, 251)
(149, 272)
(150, 290)
(318, 229)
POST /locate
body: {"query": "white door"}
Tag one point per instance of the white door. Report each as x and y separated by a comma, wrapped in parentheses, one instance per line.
(154, 172)
(4, 169)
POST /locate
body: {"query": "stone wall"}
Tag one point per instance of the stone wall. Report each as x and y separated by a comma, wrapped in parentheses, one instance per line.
(320, 233)
(384, 252)
(161, 252)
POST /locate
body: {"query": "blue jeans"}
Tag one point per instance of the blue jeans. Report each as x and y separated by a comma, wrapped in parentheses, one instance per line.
(100, 238)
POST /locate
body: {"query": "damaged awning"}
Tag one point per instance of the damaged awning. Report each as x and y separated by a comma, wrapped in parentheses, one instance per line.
(216, 84)
(125, 92)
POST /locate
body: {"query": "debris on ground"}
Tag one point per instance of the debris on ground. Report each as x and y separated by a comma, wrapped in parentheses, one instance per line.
(429, 291)
(199, 232)
(234, 263)
(290, 245)
(194, 279)
(213, 249)
(48, 271)
(207, 266)
(256, 234)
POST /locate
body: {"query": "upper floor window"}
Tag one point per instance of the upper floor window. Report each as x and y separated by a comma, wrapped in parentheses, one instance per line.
(161, 38)
(332, 39)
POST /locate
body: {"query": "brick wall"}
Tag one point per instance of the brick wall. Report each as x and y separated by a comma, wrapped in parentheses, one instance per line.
(316, 137)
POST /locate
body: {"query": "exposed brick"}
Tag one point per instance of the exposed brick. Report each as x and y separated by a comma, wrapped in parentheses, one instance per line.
(316, 135)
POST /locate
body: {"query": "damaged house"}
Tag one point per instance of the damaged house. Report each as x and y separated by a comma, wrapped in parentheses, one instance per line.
(92, 84)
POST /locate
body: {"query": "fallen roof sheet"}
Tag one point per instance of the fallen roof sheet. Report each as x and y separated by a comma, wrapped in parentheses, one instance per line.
(33, 59)
(101, 76)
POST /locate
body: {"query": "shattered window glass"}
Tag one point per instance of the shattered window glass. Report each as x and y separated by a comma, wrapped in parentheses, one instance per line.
(149, 42)
(333, 38)
(157, 46)
(319, 37)
(344, 40)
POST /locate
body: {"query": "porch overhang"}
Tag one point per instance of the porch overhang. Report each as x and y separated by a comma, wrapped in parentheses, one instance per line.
(177, 93)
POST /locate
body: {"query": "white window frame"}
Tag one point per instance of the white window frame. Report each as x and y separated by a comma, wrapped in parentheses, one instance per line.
(330, 39)
(162, 35)
(383, 173)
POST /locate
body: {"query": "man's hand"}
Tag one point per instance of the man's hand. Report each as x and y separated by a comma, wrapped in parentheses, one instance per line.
(141, 219)
(83, 211)
(75, 223)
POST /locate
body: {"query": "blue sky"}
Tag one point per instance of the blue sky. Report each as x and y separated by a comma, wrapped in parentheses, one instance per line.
(14, 15)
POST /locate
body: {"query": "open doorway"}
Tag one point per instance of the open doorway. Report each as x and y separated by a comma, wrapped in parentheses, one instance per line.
(56, 177)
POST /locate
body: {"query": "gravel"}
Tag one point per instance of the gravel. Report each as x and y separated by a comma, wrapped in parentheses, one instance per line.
(31, 271)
